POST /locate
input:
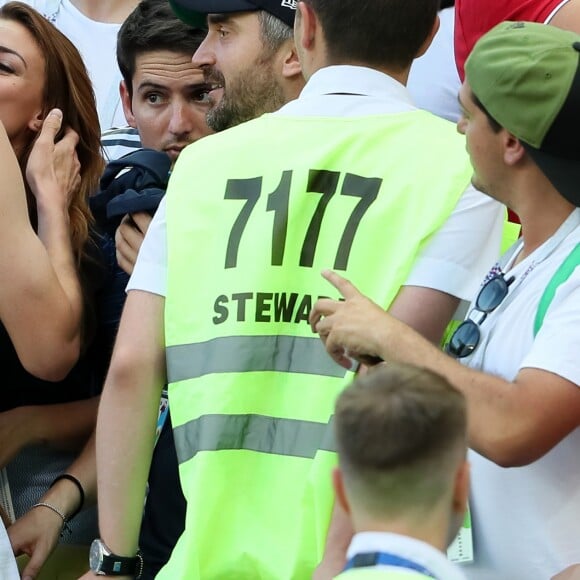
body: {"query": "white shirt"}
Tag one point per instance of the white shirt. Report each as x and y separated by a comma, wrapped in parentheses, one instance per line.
(416, 551)
(8, 570)
(97, 44)
(456, 258)
(434, 81)
(526, 520)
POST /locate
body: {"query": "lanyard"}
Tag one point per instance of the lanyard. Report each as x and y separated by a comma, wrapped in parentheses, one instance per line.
(162, 416)
(571, 223)
(370, 559)
(523, 269)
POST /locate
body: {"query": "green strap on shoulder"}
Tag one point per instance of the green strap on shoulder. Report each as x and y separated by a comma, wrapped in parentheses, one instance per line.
(562, 274)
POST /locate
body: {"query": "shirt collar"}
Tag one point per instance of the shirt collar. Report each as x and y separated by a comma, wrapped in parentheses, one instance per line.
(406, 547)
(356, 80)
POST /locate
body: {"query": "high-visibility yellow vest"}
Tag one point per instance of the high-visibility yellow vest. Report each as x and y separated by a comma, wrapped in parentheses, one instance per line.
(253, 215)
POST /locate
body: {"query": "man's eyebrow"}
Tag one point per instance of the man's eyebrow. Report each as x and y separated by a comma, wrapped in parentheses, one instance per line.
(220, 18)
(10, 51)
(150, 85)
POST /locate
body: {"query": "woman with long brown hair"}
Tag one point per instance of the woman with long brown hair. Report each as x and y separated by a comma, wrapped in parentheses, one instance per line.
(48, 264)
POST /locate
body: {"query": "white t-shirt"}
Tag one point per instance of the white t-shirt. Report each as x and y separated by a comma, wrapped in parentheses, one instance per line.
(458, 255)
(8, 570)
(97, 43)
(526, 520)
(434, 81)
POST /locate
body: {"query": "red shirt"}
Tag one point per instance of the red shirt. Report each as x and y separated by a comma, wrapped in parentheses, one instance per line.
(473, 18)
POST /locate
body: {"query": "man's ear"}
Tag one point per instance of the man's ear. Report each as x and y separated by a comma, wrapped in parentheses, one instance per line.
(514, 151)
(427, 43)
(339, 491)
(291, 64)
(127, 103)
(305, 24)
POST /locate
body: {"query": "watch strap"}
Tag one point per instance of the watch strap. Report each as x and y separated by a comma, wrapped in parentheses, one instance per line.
(113, 565)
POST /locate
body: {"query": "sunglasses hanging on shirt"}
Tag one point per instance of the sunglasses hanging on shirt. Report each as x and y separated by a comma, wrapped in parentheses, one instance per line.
(467, 335)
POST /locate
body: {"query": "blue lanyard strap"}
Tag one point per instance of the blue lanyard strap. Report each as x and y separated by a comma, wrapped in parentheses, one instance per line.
(370, 559)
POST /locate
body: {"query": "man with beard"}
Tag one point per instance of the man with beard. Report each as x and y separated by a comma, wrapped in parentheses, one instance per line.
(266, 205)
(253, 82)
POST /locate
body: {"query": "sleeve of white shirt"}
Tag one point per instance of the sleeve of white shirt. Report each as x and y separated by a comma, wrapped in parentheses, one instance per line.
(557, 344)
(460, 254)
(150, 271)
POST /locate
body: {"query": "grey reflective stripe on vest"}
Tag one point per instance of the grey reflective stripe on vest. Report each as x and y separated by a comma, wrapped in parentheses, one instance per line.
(274, 435)
(233, 354)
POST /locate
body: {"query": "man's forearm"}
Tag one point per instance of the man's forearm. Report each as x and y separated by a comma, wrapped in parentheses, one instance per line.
(510, 422)
(506, 422)
(127, 419)
(125, 438)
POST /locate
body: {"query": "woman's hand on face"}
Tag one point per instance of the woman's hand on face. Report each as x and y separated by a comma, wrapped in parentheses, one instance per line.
(53, 170)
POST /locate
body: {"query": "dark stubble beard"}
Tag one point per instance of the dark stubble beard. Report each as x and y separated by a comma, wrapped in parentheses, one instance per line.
(251, 93)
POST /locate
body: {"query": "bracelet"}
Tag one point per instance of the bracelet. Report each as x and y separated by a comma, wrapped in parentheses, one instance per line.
(65, 526)
(74, 480)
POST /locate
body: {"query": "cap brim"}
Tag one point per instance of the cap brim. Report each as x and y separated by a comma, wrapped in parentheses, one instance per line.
(564, 174)
(194, 12)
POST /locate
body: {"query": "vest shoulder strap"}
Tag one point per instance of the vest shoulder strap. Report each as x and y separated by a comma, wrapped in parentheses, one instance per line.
(561, 275)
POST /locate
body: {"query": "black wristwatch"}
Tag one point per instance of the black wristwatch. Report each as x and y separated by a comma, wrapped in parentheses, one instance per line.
(104, 563)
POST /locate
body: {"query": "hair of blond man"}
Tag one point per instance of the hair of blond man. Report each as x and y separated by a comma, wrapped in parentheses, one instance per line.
(401, 436)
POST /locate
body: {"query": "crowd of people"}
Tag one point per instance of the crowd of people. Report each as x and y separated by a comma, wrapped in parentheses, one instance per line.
(179, 356)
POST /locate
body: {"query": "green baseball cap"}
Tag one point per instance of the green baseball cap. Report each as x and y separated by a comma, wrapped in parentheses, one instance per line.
(527, 76)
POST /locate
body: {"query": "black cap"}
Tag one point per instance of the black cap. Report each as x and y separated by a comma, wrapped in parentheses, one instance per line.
(193, 12)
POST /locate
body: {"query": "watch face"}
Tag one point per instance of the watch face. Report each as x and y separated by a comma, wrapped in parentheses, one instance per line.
(96, 555)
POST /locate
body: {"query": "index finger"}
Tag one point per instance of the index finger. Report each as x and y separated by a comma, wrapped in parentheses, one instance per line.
(344, 286)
